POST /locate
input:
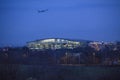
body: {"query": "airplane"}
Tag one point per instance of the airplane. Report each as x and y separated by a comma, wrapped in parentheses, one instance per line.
(41, 11)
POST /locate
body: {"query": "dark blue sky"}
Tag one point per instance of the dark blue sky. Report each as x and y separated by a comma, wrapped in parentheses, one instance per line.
(79, 19)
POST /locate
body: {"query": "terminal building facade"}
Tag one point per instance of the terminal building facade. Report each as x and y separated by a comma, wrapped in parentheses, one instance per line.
(53, 43)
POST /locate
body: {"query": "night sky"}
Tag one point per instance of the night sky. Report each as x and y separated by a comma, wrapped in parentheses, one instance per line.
(20, 21)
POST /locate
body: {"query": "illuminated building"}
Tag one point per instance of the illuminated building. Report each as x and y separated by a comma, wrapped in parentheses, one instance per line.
(53, 43)
(96, 45)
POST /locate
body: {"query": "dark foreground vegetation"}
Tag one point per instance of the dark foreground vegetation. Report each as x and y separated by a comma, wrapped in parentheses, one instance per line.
(82, 63)
(58, 72)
